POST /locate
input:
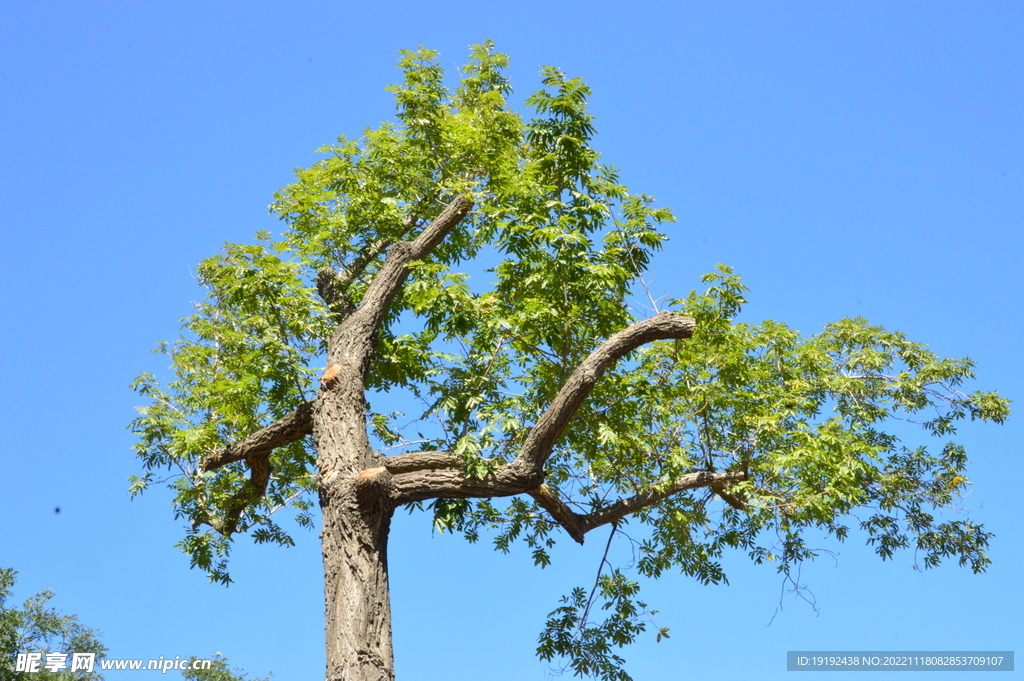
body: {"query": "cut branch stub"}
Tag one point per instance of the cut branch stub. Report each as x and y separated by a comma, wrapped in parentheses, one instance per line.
(330, 377)
(373, 489)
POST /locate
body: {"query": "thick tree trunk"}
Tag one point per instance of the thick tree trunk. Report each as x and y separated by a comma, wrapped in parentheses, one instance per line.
(358, 604)
(355, 500)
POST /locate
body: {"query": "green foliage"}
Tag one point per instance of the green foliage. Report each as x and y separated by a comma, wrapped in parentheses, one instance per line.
(573, 240)
(809, 419)
(37, 629)
(245, 364)
(804, 417)
(586, 646)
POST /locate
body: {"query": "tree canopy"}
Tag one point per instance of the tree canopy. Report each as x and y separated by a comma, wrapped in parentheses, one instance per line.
(495, 263)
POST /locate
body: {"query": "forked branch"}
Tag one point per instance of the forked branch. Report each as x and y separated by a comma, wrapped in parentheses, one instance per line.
(333, 285)
(734, 500)
(390, 277)
(255, 450)
(250, 493)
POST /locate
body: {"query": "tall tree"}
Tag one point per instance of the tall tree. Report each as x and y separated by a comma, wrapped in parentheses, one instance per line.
(555, 409)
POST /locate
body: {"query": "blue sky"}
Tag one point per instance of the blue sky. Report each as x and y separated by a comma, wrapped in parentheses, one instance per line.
(846, 158)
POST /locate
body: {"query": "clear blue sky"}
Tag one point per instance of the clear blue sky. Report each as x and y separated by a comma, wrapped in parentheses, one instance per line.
(847, 158)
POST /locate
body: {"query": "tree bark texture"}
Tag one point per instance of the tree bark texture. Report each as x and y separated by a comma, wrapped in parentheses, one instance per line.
(358, 605)
(355, 501)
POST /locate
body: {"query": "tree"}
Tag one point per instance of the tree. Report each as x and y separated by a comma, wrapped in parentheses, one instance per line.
(38, 629)
(555, 410)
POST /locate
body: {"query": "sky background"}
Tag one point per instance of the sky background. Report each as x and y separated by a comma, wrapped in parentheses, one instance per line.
(846, 158)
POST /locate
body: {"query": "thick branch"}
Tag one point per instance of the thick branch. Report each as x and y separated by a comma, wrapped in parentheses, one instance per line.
(733, 500)
(389, 279)
(332, 285)
(437, 230)
(419, 461)
(452, 483)
(285, 430)
(351, 345)
(557, 509)
(431, 475)
(250, 493)
(549, 427)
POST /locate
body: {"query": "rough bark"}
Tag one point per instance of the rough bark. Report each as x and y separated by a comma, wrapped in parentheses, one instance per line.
(356, 521)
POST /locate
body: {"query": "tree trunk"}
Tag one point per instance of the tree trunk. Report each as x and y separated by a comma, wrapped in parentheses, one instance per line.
(358, 602)
(355, 501)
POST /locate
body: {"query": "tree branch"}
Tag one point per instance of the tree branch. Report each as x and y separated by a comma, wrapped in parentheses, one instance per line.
(550, 426)
(389, 279)
(418, 461)
(624, 507)
(285, 430)
(251, 492)
(437, 230)
(333, 285)
(351, 345)
(557, 509)
(733, 500)
(577, 525)
(431, 475)
(452, 483)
